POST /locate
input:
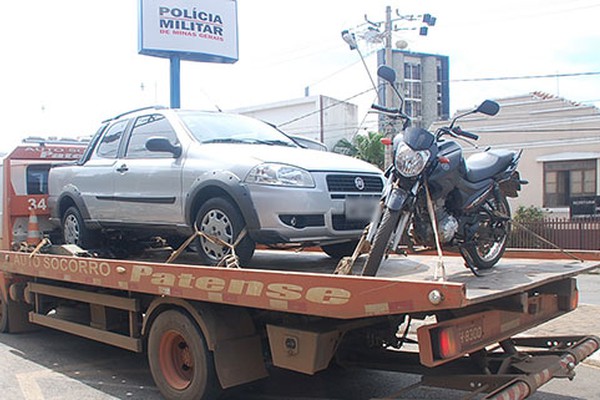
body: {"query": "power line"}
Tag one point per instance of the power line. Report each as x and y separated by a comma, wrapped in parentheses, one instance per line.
(337, 102)
(520, 77)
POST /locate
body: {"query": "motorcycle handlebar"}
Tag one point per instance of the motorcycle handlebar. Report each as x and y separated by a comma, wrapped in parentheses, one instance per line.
(385, 109)
(468, 135)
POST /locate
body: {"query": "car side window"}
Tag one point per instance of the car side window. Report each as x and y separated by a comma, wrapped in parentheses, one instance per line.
(146, 127)
(109, 144)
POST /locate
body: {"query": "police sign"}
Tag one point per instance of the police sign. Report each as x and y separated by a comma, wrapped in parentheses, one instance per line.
(191, 30)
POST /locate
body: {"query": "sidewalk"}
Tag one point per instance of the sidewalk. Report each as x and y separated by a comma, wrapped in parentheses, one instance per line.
(585, 320)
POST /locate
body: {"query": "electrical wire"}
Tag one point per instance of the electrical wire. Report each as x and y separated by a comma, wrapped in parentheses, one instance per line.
(337, 102)
(520, 77)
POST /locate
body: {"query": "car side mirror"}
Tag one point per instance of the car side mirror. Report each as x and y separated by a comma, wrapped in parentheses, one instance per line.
(162, 144)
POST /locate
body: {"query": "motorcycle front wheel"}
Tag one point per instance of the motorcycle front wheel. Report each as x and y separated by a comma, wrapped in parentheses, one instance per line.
(492, 236)
(388, 223)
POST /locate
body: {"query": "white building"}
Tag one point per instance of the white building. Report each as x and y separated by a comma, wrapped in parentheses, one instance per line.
(560, 140)
(318, 118)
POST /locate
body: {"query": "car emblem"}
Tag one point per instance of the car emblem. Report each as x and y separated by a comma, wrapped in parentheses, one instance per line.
(359, 183)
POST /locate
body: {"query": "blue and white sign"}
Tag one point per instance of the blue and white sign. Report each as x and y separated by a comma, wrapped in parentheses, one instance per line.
(201, 30)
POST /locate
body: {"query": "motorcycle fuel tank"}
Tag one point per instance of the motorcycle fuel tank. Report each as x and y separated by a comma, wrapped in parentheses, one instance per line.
(446, 170)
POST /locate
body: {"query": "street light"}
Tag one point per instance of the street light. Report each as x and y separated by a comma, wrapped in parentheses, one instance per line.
(350, 39)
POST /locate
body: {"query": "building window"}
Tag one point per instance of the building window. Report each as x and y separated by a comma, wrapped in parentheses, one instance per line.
(565, 180)
(412, 71)
(413, 90)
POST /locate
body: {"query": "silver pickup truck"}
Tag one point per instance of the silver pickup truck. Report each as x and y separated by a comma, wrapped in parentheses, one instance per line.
(162, 172)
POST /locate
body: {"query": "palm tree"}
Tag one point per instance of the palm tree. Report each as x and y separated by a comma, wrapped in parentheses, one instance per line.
(365, 147)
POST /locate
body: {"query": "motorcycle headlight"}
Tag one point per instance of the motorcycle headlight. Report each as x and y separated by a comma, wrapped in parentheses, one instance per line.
(280, 175)
(409, 162)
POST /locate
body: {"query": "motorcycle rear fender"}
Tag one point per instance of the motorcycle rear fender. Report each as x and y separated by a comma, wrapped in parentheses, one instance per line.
(511, 186)
(396, 199)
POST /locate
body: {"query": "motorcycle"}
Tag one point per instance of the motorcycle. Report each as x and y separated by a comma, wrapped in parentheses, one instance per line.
(435, 197)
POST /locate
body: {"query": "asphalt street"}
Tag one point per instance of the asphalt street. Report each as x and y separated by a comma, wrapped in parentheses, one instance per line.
(50, 365)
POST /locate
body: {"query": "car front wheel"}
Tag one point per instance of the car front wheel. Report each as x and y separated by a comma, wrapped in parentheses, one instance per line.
(219, 218)
(339, 250)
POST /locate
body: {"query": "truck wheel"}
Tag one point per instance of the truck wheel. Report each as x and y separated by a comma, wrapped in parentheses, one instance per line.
(3, 313)
(74, 230)
(180, 363)
(339, 250)
(218, 217)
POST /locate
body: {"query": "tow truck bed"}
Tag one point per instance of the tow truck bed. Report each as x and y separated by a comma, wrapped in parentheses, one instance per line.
(509, 276)
(280, 281)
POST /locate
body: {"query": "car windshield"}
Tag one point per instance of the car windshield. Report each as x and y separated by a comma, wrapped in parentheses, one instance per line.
(232, 128)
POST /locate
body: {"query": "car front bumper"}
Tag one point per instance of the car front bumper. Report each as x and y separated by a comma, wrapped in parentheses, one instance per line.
(312, 215)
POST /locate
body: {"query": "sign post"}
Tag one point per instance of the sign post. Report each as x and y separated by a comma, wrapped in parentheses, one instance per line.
(188, 30)
(175, 82)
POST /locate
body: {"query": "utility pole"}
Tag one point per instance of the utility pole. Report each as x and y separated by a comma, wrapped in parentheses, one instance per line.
(371, 32)
(389, 94)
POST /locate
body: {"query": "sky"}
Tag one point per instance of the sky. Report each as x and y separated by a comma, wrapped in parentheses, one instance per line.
(69, 64)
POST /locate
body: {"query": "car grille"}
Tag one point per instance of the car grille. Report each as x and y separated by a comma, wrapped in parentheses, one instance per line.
(340, 223)
(347, 183)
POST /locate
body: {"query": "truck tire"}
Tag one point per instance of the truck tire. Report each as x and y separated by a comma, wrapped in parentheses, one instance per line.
(14, 315)
(219, 217)
(180, 363)
(74, 229)
(4, 328)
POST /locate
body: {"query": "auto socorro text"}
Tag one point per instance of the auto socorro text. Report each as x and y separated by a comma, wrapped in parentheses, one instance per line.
(190, 22)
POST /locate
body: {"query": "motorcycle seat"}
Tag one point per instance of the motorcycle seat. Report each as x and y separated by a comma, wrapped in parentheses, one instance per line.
(484, 165)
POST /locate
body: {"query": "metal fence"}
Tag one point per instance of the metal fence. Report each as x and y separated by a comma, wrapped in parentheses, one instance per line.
(570, 234)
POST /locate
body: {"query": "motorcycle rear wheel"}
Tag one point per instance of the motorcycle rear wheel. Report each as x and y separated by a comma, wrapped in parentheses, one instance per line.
(380, 242)
(485, 253)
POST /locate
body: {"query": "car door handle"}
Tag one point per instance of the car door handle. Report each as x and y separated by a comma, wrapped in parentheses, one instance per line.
(123, 168)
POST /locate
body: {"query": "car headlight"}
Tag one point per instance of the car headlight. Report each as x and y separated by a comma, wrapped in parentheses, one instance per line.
(280, 175)
(410, 162)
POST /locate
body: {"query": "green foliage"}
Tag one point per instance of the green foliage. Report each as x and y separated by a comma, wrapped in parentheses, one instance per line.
(365, 147)
(528, 214)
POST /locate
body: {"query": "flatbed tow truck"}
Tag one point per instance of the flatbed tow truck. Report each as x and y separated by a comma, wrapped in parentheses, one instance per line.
(206, 328)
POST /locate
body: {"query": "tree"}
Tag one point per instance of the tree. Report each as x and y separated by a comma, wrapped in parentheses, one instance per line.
(365, 147)
(528, 214)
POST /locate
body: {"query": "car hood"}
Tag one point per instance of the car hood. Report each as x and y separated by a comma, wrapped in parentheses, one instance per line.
(310, 160)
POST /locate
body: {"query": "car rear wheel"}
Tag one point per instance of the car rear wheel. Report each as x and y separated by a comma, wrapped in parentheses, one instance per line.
(219, 218)
(74, 229)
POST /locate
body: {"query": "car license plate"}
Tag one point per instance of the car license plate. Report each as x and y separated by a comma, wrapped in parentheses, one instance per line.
(360, 208)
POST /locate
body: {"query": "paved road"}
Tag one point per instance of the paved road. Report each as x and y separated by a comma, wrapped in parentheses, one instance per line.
(49, 365)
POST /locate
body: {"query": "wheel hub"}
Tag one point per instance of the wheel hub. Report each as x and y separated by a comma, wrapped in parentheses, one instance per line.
(217, 224)
(71, 230)
(176, 359)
